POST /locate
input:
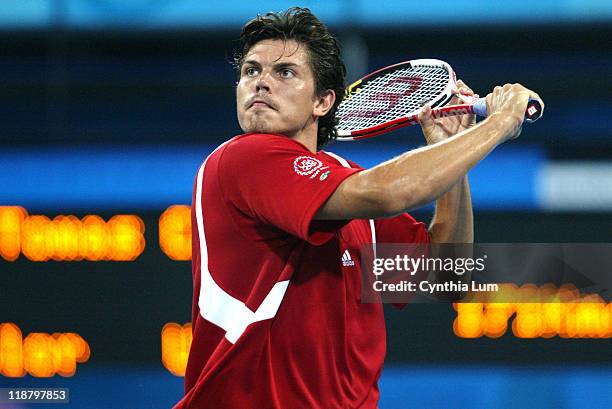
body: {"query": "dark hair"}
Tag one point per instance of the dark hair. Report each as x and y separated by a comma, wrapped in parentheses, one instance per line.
(301, 25)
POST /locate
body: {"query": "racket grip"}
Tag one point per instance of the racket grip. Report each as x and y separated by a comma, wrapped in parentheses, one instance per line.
(532, 113)
(480, 107)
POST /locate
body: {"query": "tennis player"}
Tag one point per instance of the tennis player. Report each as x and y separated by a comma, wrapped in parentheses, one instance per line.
(278, 224)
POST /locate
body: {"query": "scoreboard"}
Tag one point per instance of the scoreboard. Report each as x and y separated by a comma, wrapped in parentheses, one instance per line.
(91, 289)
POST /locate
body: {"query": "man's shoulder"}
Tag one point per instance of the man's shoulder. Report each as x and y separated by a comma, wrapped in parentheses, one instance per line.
(252, 145)
(259, 140)
(347, 163)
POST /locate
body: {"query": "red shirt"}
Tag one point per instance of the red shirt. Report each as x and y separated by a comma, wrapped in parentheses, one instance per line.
(277, 317)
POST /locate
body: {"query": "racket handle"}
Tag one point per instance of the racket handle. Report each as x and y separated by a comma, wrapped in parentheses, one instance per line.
(532, 113)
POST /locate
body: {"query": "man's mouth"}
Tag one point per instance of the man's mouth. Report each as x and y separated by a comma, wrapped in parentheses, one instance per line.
(261, 103)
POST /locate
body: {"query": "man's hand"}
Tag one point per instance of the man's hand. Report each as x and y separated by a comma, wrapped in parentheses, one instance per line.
(436, 130)
(511, 101)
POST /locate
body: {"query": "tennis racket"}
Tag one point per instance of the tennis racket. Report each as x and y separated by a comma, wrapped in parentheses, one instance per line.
(391, 98)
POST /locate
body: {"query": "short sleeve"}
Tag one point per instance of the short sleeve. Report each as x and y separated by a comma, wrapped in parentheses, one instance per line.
(401, 229)
(279, 182)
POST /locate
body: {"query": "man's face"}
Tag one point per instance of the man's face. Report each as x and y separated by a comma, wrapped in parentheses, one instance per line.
(275, 93)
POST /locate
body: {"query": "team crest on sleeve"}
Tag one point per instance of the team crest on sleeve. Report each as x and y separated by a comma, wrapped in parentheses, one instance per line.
(308, 166)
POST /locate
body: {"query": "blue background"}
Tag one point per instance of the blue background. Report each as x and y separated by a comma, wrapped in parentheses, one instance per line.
(110, 106)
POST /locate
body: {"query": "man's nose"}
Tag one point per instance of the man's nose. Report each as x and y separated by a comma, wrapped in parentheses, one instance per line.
(263, 83)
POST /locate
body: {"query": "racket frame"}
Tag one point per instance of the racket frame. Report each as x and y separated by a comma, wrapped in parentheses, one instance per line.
(410, 118)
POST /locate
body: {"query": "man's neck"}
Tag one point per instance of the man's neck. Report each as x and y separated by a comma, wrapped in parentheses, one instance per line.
(307, 136)
(309, 143)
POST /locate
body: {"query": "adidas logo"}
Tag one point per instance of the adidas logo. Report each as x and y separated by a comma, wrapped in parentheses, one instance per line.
(347, 261)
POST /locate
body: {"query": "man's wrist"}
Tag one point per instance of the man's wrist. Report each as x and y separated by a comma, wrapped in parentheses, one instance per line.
(506, 125)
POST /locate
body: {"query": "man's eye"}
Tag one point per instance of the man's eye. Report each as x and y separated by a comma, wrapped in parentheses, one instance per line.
(251, 71)
(286, 73)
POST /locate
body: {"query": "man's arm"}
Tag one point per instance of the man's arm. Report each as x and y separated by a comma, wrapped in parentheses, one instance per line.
(420, 176)
(453, 220)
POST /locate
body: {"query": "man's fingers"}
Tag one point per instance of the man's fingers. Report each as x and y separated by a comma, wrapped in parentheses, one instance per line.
(463, 93)
(425, 115)
(511, 98)
(489, 100)
(425, 119)
(464, 89)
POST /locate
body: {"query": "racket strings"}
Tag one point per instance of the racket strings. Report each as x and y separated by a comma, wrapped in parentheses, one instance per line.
(394, 95)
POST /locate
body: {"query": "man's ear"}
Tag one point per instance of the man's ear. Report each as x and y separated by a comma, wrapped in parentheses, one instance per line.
(323, 103)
